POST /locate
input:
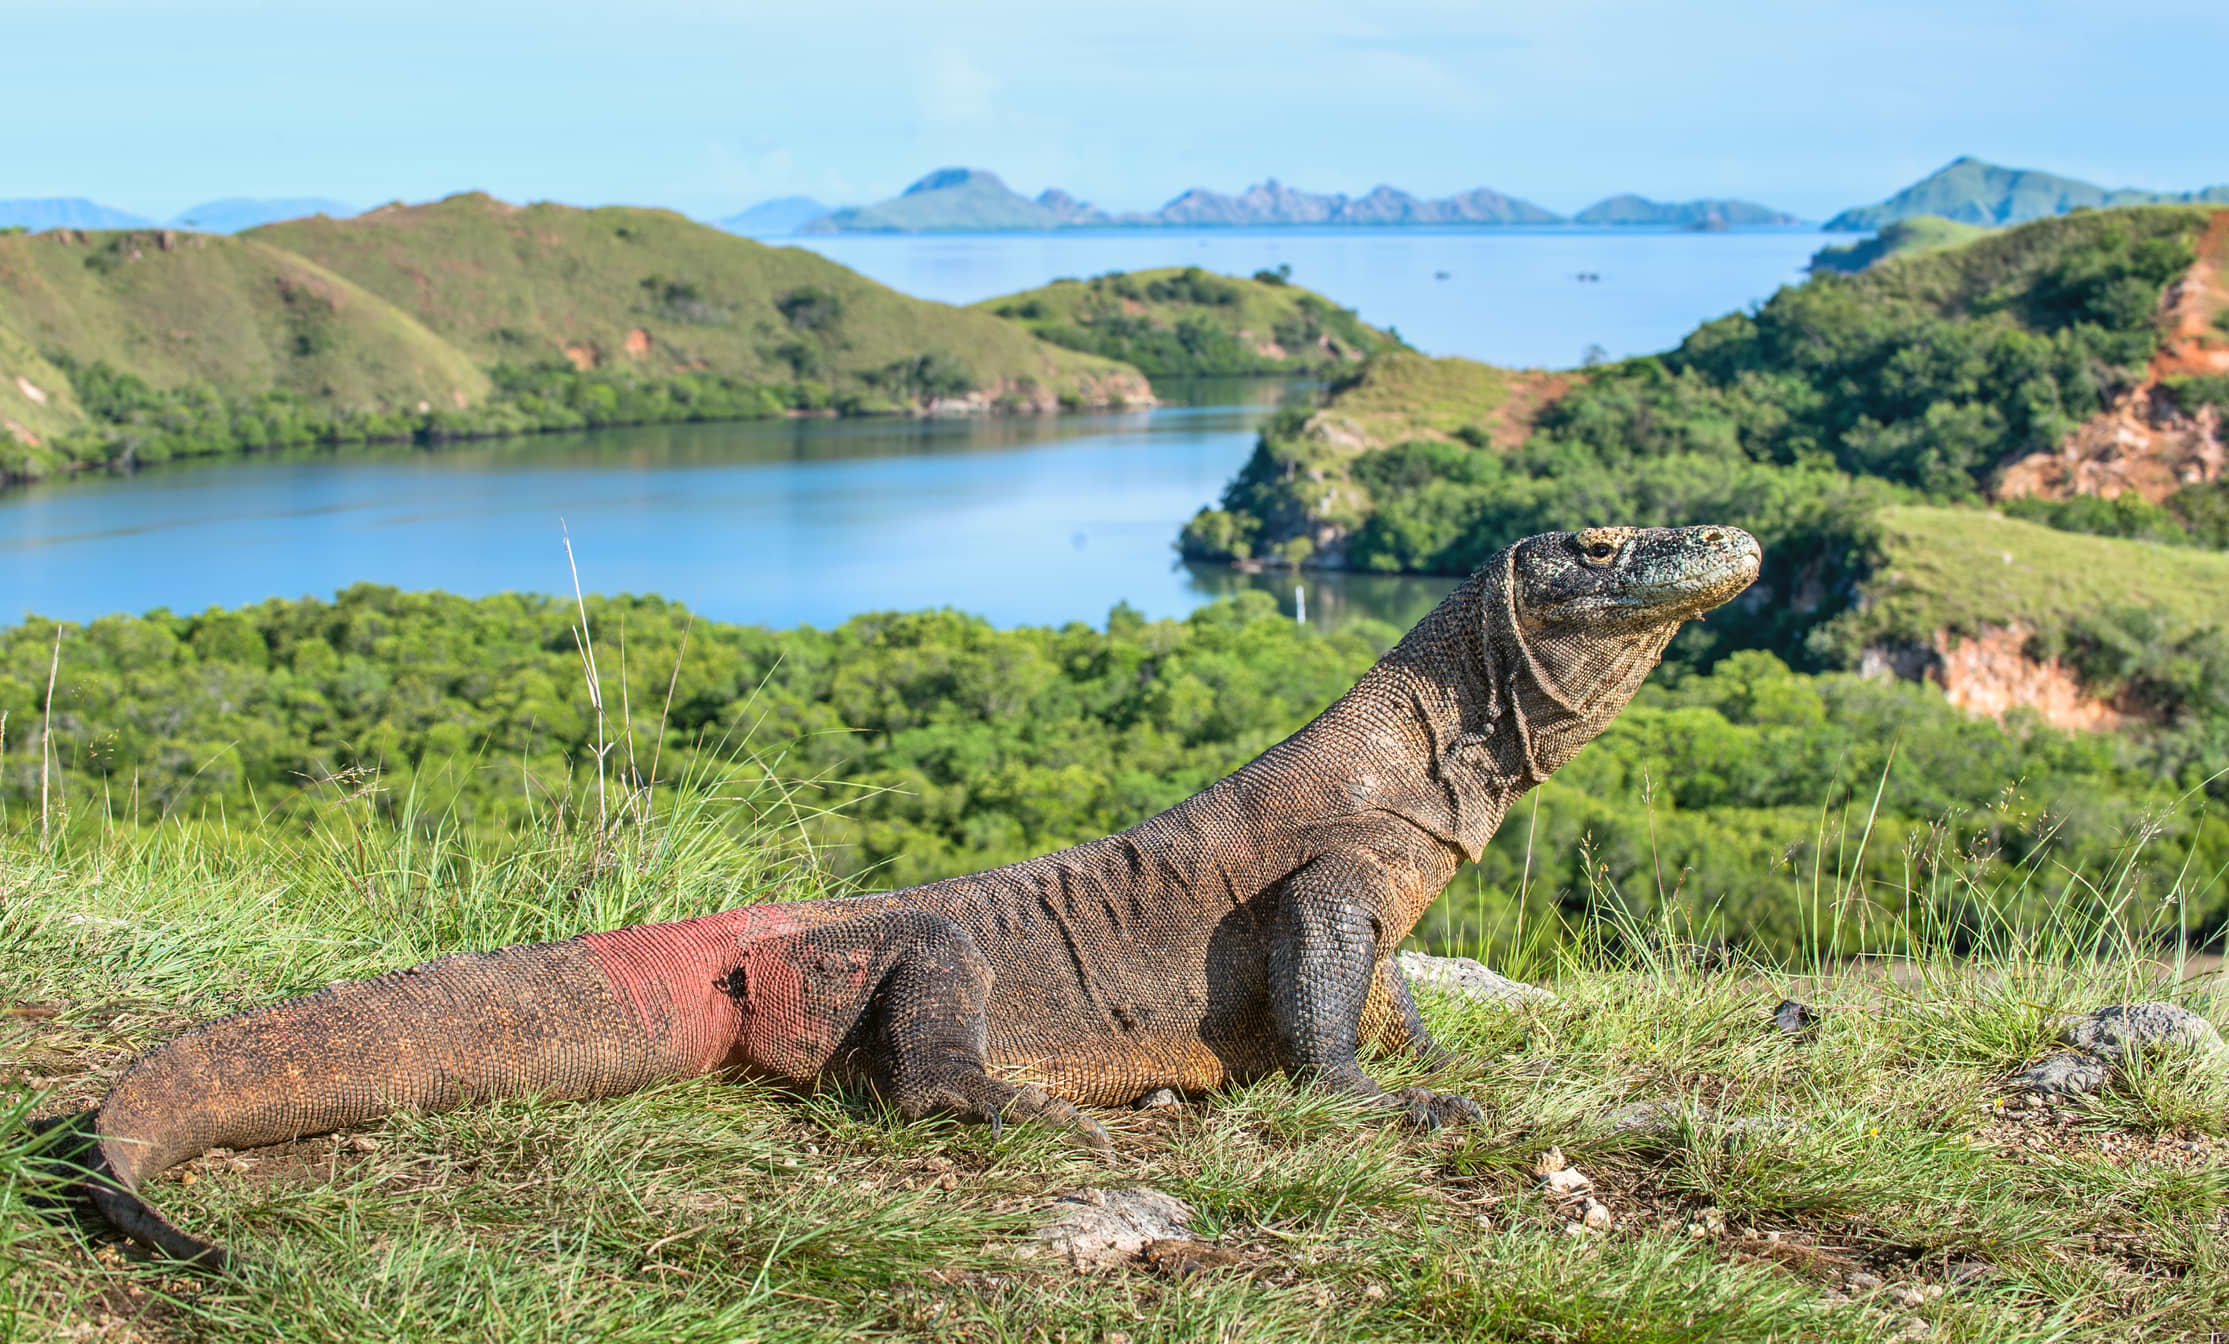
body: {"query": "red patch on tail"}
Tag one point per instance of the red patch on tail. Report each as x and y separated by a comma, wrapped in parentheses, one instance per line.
(676, 978)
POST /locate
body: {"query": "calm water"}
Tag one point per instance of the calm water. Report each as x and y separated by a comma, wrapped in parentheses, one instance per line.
(1036, 520)
(1511, 296)
(1025, 521)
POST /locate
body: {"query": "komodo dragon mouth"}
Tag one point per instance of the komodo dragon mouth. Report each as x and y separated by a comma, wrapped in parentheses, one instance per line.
(1246, 930)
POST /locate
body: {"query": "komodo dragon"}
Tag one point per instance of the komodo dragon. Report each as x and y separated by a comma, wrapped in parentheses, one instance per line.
(1249, 928)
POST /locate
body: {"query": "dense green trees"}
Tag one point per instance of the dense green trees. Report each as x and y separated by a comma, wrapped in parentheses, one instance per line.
(920, 745)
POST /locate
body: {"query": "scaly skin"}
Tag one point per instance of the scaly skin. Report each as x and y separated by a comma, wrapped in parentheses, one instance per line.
(1248, 929)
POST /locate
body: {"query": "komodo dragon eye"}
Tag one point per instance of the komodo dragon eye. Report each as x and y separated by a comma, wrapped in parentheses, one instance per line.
(1600, 552)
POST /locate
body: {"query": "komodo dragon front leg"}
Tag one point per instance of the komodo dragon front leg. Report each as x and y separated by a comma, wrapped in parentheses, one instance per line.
(1336, 922)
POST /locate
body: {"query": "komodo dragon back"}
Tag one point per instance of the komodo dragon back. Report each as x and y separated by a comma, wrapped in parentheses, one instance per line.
(1247, 929)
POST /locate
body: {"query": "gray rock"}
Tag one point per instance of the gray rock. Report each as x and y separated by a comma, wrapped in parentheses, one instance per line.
(1160, 1098)
(2108, 1038)
(1461, 975)
(1093, 1229)
(2117, 1029)
(1794, 1019)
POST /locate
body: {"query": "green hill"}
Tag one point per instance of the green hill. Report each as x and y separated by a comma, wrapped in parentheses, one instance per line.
(652, 291)
(1902, 237)
(1187, 322)
(234, 313)
(1968, 190)
(471, 317)
(1909, 383)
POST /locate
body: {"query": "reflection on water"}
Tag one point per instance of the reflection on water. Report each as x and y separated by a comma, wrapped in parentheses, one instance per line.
(1332, 601)
(1024, 520)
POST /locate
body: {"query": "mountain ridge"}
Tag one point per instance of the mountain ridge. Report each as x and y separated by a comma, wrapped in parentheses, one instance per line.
(1969, 190)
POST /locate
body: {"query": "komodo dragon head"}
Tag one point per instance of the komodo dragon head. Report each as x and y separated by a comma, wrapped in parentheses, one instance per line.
(1582, 617)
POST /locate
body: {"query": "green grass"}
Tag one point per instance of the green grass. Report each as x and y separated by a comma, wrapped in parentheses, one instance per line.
(513, 284)
(1962, 569)
(703, 1210)
(1184, 321)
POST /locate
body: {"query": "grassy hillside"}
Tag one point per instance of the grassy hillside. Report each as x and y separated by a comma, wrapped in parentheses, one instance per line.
(235, 314)
(650, 290)
(1963, 569)
(1871, 1180)
(1187, 322)
(1920, 233)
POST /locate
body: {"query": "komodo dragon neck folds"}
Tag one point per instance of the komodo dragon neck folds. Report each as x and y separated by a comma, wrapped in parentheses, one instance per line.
(1250, 928)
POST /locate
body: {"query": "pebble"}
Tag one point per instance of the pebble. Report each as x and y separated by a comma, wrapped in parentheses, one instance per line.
(1567, 1182)
(1095, 1228)
(1160, 1098)
(360, 1143)
(1597, 1216)
(1862, 1282)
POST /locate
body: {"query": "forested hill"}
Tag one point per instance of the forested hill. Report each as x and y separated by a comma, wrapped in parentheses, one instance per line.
(2074, 372)
(915, 746)
(1184, 322)
(470, 316)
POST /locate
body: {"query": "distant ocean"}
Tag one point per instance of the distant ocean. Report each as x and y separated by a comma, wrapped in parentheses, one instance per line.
(1518, 296)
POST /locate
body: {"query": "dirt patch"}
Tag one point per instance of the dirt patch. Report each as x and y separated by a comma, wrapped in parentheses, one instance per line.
(31, 390)
(21, 434)
(2145, 442)
(585, 355)
(1992, 674)
(638, 344)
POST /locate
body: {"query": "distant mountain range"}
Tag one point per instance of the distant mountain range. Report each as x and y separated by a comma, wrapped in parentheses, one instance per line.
(228, 215)
(783, 214)
(1968, 190)
(958, 200)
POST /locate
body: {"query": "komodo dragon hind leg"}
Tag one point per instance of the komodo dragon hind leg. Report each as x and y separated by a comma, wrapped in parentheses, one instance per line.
(1324, 957)
(924, 1031)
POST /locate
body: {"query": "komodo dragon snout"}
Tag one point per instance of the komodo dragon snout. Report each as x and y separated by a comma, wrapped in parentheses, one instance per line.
(1248, 929)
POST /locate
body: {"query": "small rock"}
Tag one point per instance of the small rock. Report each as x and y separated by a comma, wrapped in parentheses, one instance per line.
(238, 1164)
(360, 1143)
(187, 1178)
(1097, 1228)
(1374, 1292)
(1904, 1295)
(1915, 1328)
(1597, 1216)
(1462, 975)
(1861, 1282)
(1714, 1221)
(1160, 1098)
(1568, 1183)
(1794, 1019)
(1550, 1162)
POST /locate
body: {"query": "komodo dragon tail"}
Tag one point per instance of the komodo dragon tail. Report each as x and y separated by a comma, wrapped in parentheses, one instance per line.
(593, 1016)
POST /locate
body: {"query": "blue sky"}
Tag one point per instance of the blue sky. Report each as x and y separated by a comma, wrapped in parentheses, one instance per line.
(708, 107)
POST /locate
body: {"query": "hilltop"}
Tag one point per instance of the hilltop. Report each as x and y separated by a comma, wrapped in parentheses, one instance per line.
(1902, 237)
(1968, 190)
(784, 214)
(1186, 322)
(470, 316)
(651, 290)
(233, 317)
(231, 214)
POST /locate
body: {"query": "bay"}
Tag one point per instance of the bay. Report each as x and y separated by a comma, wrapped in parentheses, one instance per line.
(1511, 296)
(1023, 520)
